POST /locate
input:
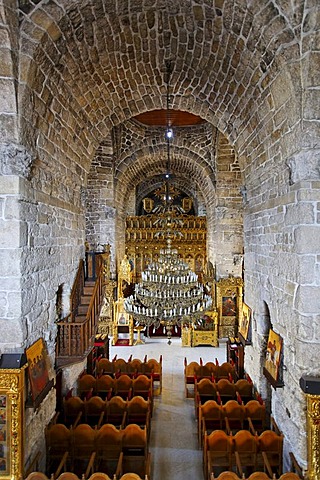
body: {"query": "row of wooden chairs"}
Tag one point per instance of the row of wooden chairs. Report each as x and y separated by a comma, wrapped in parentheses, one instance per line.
(94, 476)
(222, 391)
(117, 411)
(255, 476)
(230, 417)
(123, 386)
(196, 371)
(84, 450)
(244, 451)
(133, 367)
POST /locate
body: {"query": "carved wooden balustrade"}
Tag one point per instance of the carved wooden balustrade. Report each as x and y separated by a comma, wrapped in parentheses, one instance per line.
(76, 332)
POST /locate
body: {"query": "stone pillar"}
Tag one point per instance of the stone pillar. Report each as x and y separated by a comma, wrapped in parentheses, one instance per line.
(311, 386)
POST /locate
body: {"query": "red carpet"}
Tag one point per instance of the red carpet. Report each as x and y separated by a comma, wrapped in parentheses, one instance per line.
(122, 342)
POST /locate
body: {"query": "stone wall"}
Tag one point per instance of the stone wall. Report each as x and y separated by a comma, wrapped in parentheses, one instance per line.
(226, 226)
(100, 211)
(76, 70)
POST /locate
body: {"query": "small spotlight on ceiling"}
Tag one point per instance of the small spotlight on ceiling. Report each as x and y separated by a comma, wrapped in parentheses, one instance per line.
(169, 133)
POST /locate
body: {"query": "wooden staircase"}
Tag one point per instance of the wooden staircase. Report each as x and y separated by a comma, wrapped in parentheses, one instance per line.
(76, 332)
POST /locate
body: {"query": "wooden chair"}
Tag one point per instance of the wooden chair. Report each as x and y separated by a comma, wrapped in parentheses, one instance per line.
(68, 476)
(205, 372)
(134, 367)
(226, 390)
(153, 369)
(123, 386)
(133, 476)
(73, 411)
(258, 476)
(217, 450)
(210, 417)
(245, 389)
(226, 476)
(143, 386)
(204, 390)
(190, 374)
(214, 370)
(136, 457)
(227, 371)
(99, 476)
(37, 476)
(105, 367)
(255, 416)
(58, 449)
(139, 412)
(104, 386)
(270, 449)
(109, 450)
(134, 439)
(94, 411)
(120, 367)
(115, 411)
(245, 448)
(289, 476)
(83, 450)
(86, 386)
(233, 415)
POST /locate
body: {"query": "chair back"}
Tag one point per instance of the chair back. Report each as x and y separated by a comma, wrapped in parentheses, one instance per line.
(73, 410)
(99, 476)
(134, 440)
(95, 408)
(258, 476)
(83, 441)
(289, 476)
(105, 366)
(86, 385)
(104, 385)
(115, 411)
(123, 386)
(58, 439)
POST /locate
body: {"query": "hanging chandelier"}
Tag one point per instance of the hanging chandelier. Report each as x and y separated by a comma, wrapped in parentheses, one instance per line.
(169, 293)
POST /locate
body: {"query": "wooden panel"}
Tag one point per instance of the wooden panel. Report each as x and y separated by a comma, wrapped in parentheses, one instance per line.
(178, 118)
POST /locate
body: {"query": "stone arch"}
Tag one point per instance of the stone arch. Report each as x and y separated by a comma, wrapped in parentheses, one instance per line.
(65, 40)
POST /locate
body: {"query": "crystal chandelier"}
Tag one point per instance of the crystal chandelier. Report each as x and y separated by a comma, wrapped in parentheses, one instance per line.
(169, 293)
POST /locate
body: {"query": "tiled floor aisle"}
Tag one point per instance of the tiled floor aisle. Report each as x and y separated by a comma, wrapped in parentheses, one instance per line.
(175, 454)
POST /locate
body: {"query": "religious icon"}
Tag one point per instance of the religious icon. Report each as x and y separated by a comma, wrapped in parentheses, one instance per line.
(273, 354)
(229, 307)
(38, 371)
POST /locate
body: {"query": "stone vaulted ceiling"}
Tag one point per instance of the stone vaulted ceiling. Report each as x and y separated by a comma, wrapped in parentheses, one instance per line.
(89, 66)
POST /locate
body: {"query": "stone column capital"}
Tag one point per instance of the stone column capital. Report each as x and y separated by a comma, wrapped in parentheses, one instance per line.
(304, 165)
(15, 159)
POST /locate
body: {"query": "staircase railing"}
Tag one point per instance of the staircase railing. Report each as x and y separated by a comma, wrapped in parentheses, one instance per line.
(76, 334)
(77, 291)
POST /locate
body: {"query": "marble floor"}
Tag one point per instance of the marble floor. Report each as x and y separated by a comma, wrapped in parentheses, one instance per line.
(175, 454)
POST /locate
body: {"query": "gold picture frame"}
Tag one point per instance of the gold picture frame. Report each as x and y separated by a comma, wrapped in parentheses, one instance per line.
(229, 303)
(273, 357)
(245, 322)
(38, 373)
(12, 386)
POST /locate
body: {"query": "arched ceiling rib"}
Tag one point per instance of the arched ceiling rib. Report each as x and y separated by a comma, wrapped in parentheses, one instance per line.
(146, 166)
